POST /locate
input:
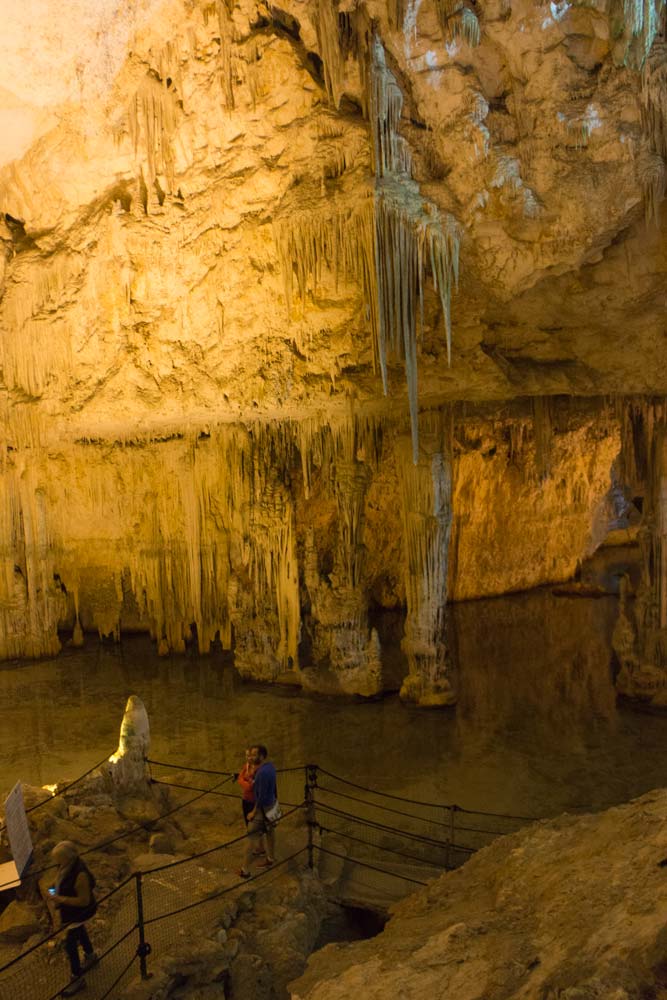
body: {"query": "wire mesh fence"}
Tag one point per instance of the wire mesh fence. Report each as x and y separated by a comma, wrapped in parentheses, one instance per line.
(370, 847)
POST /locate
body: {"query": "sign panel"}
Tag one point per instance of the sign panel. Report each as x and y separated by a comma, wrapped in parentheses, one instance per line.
(20, 841)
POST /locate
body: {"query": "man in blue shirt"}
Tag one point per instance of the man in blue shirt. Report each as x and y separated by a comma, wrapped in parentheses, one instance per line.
(261, 821)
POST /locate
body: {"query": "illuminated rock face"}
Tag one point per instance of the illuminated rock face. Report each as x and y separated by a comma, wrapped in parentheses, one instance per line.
(231, 245)
(278, 540)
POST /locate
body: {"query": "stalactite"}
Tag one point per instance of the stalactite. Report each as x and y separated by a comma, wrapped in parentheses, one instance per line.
(391, 153)
(30, 600)
(642, 19)
(226, 27)
(387, 242)
(35, 339)
(326, 23)
(640, 638)
(542, 434)
(458, 21)
(152, 119)
(651, 166)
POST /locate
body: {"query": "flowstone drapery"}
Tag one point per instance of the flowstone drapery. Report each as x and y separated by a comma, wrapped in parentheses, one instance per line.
(640, 636)
(426, 498)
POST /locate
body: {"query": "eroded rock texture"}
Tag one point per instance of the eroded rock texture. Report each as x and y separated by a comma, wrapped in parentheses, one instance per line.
(288, 295)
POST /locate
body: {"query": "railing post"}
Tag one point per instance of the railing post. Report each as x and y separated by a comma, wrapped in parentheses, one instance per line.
(309, 799)
(144, 949)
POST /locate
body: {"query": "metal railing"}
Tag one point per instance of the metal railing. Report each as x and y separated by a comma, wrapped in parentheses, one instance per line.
(334, 820)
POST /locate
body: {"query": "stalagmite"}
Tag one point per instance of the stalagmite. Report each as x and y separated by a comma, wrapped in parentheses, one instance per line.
(127, 766)
(426, 489)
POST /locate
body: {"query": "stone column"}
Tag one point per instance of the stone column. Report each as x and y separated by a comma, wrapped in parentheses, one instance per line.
(339, 606)
(426, 494)
(640, 636)
(264, 592)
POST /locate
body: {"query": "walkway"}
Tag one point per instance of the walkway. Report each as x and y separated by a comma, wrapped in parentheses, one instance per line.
(369, 847)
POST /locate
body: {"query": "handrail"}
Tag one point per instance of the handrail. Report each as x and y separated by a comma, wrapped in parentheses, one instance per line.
(311, 806)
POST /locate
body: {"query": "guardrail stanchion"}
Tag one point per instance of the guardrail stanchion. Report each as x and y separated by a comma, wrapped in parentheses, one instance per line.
(144, 949)
(309, 799)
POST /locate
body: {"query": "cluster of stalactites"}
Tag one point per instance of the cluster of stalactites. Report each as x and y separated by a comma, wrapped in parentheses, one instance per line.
(542, 434)
(391, 153)
(639, 417)
(643, 469)
(458, 21)
(152, 118)
(653, 175)
(388, 242)
(323, 442)
(642, 19)
(197, 531)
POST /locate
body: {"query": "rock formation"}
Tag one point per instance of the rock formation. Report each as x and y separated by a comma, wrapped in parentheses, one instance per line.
(569, 908)
(310, 310)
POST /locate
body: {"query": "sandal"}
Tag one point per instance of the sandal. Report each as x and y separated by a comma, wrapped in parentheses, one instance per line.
(242, 873)
(267, 863)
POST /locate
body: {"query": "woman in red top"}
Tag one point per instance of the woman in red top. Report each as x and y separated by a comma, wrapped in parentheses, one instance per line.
(246, 780)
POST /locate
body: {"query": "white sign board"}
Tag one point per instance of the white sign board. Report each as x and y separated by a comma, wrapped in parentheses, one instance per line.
(20, 841)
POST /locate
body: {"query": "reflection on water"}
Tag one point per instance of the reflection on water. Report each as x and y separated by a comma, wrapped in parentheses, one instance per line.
(536, 729)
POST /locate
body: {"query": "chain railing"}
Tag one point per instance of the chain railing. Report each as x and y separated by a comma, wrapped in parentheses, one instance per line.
(338, 826)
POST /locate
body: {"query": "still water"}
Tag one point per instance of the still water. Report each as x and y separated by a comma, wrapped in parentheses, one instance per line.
(536, 731)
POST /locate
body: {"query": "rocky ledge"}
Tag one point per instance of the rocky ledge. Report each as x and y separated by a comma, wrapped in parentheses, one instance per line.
(571, 908)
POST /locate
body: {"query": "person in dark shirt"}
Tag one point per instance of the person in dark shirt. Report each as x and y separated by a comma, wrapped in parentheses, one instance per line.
(260, 822)
(75, 902)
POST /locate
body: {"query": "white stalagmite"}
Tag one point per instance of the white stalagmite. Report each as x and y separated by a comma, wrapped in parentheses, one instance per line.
(127, 766)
